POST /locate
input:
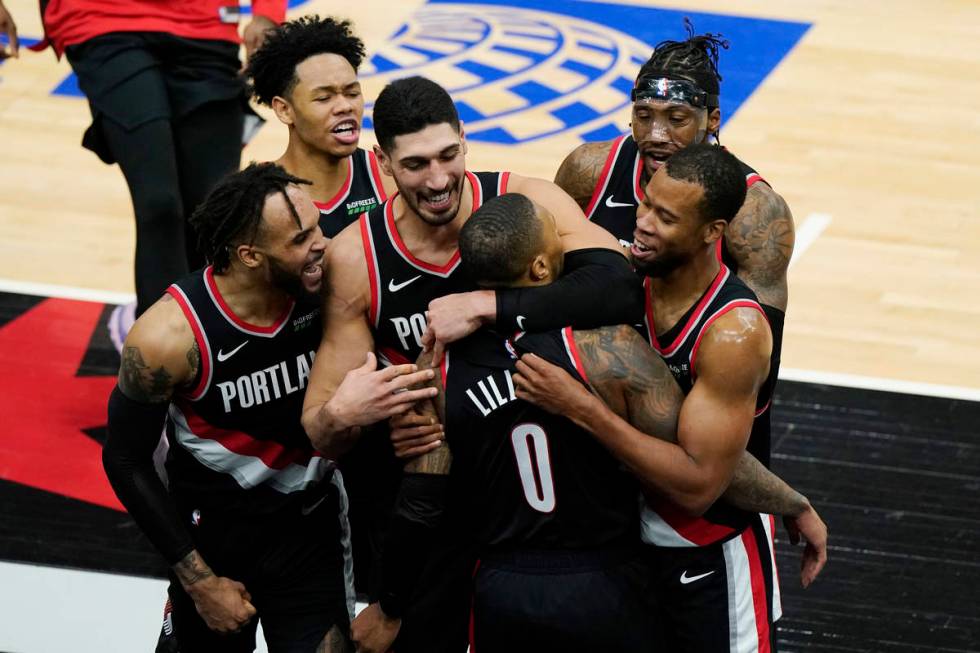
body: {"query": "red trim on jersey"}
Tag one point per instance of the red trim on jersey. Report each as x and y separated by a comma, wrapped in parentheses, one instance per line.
(759, 598)
(403, 248)
(273, 454)
(764, 408)
(737, 303)
(334, 201)
(202, 342)
(477, 190)
(709, 295)
(698, 530)
(394, 356)
(502, 181)
(600, 186)
(754, 178)
(637, 174)
(573, 350)
(444, 369)
(376, 175)
(368, 244)
(719, 250)
(237, 321)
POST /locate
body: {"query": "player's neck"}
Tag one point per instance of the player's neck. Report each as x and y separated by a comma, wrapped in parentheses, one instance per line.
(328, 173)
(251, 298)
(681, 288)
(436, 244)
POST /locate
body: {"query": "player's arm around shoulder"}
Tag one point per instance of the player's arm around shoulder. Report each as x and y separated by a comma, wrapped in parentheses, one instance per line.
(160, 354)
(576, 232)
(761, 238)
(579, 173)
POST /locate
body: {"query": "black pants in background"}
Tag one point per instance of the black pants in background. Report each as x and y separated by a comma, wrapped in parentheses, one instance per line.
(169, 111)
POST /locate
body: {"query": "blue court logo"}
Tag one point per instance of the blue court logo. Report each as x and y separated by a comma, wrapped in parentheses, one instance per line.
(520, 74)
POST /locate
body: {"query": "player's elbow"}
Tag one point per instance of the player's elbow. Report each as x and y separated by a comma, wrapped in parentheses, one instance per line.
(696, 499)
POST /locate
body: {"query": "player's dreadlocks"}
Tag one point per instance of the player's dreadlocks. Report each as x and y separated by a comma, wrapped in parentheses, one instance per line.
(232, 213)
(695, 59)
(272, 68)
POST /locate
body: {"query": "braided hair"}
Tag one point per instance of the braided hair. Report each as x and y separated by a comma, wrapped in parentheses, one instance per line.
(695, 59)
(232, 212)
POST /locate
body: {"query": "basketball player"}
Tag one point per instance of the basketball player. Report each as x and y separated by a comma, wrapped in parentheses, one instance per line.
(713, 565)
(253, 523)
(384, 273)
(675, 104)
(306, 72)
(533, 483)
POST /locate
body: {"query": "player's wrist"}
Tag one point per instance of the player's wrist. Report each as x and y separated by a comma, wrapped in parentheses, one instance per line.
(485, 306)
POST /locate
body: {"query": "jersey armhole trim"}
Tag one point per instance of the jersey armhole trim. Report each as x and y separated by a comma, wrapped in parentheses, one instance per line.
(376, 181)
(730, 306)
(204, 374)
(600, 187)
(571, 349)
(371, 258)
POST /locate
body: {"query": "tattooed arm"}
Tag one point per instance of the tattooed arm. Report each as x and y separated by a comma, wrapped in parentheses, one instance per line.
(760, 238)
(580, 171)
(159, 356)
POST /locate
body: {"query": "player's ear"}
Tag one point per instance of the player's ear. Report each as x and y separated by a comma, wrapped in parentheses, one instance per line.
(540, 271)
(714, 230)
(714, 121)
(283, 110)
(462, 136)
(249, 256)
(383, 160)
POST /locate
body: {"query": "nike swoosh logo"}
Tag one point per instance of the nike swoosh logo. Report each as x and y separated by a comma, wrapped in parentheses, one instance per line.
(308, 509)
(395, 287)
(222, 357)
(685, 579)
(520, 322)
(615, 205)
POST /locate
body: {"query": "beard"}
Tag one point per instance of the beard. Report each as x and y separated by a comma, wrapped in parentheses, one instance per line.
(288, 282)
(661, 266)
(436, 219)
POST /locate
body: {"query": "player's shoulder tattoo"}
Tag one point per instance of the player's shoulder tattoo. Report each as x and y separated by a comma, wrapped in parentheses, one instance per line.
(580, 171)
(141, 382)
(631, 378)
(760, 238)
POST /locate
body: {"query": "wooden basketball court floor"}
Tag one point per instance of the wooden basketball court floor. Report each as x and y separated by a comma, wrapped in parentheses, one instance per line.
(869, 127)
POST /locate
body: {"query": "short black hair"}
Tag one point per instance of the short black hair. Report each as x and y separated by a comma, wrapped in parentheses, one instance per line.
(272, 68)
(497, 242)
(718, 172)
(694, 59)
(409, 105)
(232, 212)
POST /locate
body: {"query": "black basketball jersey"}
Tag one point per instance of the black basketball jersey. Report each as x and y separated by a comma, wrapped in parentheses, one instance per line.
(402, 285)
(361, 192)
(663, 523)
(619, 191)
(532, 480)
(236, 442)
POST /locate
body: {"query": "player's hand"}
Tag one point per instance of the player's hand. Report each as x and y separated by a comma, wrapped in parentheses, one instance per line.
(8, 27)
(255, 32)
(415, 433)
(811, 527)
(372, 631)
(456, 316)
(224, 604)
(368, 395)
(550, 387)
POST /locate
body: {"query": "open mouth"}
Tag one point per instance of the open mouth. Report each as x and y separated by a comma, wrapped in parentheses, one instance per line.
(314, 271)
(655, 159)
(639, 250)
(347, 132)
(439, 202)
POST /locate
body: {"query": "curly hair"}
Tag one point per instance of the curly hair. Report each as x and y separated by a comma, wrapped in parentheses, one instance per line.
(271, 70)
(694, 59)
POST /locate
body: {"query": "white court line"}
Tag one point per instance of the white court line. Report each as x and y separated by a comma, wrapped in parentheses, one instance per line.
(65, 292)
(877, 383)
(789, 374)
(808, 232)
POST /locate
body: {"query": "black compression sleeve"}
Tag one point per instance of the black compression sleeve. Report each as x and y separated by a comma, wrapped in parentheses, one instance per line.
(598, 288)
(134, 431)
(418, 508)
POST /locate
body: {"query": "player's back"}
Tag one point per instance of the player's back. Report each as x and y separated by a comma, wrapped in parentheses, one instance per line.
(534, 480)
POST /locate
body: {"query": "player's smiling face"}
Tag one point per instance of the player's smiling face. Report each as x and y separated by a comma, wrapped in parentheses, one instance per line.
(293, 252)
(429, 167)
(326, 105)
(661, 128)
(669, 228)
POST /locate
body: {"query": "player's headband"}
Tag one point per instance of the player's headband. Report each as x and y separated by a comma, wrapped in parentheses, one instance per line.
(664, 89)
